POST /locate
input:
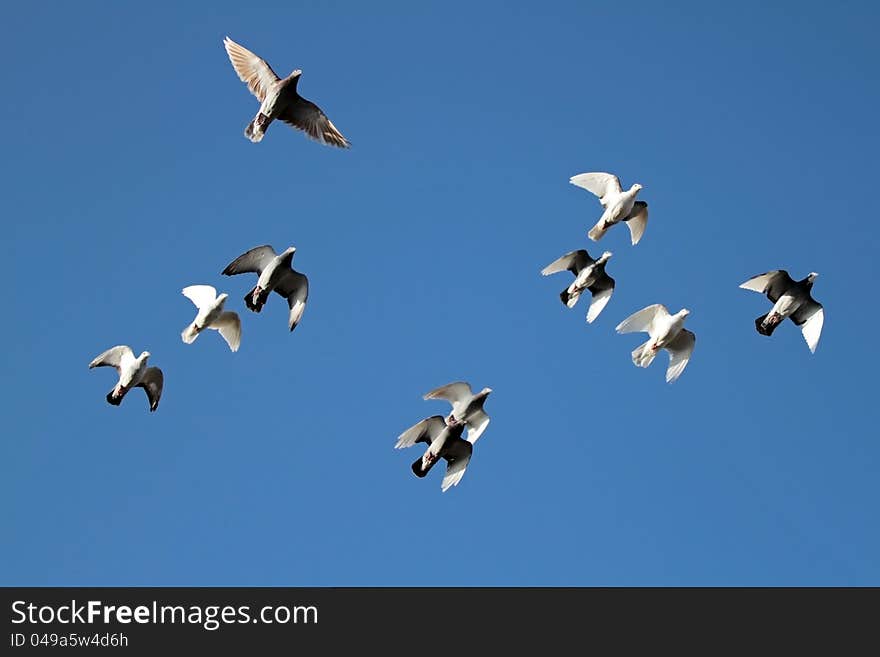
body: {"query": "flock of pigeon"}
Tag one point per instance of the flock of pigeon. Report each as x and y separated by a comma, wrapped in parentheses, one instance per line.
(443, 435)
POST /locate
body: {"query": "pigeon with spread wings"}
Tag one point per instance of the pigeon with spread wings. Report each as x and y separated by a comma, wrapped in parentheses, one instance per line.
(133, 373)
(444, 441)
(275, 274)
(279, 99)
(589, 275)
(619, 205)
(467, 407)
(792, 299)
(667, 332)
(211, 315)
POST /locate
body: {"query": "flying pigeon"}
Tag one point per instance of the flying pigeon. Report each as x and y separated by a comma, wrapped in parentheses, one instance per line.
(444, 441)
(211, 316)
(279, 99)
(467, 407)
(275, 273)
(619, 205)
(666, 332)
(589, 275)
(133, 373)
(790, 299)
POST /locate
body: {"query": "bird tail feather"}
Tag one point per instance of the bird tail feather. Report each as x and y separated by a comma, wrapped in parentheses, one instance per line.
(765, 327)
(256, 129)
(569, 298)
(190, 333)
(643, 355)
(113, 399)
(597, 231)
(417, 468)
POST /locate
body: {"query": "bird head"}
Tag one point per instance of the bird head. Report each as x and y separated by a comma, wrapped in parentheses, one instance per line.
(485, 392)
(636, 188)
(296, 73)
(812, 276)
(684, 312)
(222, 297)
(605, 256)
(144, 355)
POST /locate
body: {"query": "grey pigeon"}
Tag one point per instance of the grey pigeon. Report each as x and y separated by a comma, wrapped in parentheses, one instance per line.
(133, 373)
(589, 275)
(467, 407)
(444, 441)
(790, 299)
(211, 316)
(275, 274)
(279, 99)
(666, 332)
(619, 205)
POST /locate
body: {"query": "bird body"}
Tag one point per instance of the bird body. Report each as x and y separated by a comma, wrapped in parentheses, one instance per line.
(589, 275)
(619, 205)
(443, 441)
(467, 407)
(279, 99)
(133, 372)
(791, 299)
(667, 332)
(211, 315)
(275, 274)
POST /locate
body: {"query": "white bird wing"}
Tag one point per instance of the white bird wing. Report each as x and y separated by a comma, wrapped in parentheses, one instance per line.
(424, 431)
(680, 350)
(251, 69)
(201, 295)
(454, 393)
(772, 283)
(229, 326)
(573, 261)
(152, 383)
(117, 357)
(810, 317)
(457, 455)
(476, 425)
(642, 320)
(602, 290)
(601, 184)
(637, 221)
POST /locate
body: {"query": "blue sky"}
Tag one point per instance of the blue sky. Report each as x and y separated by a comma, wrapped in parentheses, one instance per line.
(127, 177)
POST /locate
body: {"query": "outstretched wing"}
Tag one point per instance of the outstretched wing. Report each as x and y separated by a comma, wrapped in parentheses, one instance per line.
(573, 261)
(251, 69)
(602, 290)
(457, 454)
(421, 432)
(680, 350)
(637, 221)
(200, 295)
(451, 392)
(295, 288)
(252, 261)
(229, 326)
(601, 184)
(306, 116)
(642, 320)
(810, 316)
(476, 425)
(113, 357)
(772, 283)
(152, 383)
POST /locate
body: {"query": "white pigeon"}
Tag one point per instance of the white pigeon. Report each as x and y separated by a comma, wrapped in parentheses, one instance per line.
(589, 275)
(790, 299)
(211, 316)
(467, 407)
(133, 373)
(666, 332)
(275, 273)
(444, 441)
(619, 205)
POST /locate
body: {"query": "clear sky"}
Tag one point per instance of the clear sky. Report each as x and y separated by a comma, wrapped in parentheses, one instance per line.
(126, 176)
